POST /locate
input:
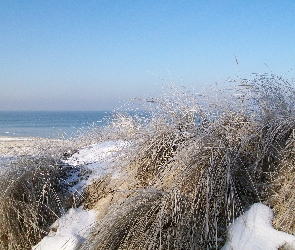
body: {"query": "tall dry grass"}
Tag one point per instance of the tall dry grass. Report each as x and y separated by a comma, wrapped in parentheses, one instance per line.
(283, 197)
(196, 164)
(34, 194)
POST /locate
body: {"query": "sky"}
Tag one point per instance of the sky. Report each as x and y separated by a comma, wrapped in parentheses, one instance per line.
(95, 55)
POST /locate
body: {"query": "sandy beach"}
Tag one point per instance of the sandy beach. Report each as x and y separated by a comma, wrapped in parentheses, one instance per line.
(10, 146)
(14, 146)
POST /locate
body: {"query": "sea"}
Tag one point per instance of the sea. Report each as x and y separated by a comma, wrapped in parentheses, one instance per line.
(50, 124)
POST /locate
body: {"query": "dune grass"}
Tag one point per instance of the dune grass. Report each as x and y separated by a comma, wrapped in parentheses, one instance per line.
(195, 163)
(283, 197)
(33, 195)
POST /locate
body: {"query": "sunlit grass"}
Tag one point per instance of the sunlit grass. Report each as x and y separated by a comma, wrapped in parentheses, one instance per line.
(195, 162)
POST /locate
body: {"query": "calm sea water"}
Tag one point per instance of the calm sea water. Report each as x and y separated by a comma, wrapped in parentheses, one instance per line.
(46, 124)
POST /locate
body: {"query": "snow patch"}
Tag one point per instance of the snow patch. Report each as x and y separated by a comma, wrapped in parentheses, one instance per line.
(254, 230)
(96, 158)
(96, 153)
(69, 231)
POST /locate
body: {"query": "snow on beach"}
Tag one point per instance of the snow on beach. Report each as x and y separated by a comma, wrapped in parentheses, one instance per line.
(70, 230)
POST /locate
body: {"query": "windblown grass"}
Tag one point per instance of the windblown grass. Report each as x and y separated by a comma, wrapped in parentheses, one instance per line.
(33, 195)
(283, 198)
(195, 163)
(198, 163)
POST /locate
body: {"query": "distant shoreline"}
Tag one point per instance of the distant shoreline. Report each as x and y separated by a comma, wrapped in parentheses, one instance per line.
(50, 124)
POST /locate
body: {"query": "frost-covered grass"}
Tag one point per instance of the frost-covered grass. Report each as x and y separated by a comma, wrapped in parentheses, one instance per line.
(33, 195)
(283, 198)
(196, 164)
(181, 177)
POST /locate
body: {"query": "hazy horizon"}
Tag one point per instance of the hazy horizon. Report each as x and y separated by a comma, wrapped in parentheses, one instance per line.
(95, 55)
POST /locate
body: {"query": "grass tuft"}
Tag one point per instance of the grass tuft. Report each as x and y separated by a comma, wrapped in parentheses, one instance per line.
(34, 194)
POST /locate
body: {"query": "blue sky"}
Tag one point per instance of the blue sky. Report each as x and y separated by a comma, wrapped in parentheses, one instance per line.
(92, 55)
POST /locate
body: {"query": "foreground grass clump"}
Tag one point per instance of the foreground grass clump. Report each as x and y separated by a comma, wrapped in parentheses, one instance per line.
(196, 164)
(33, 195)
